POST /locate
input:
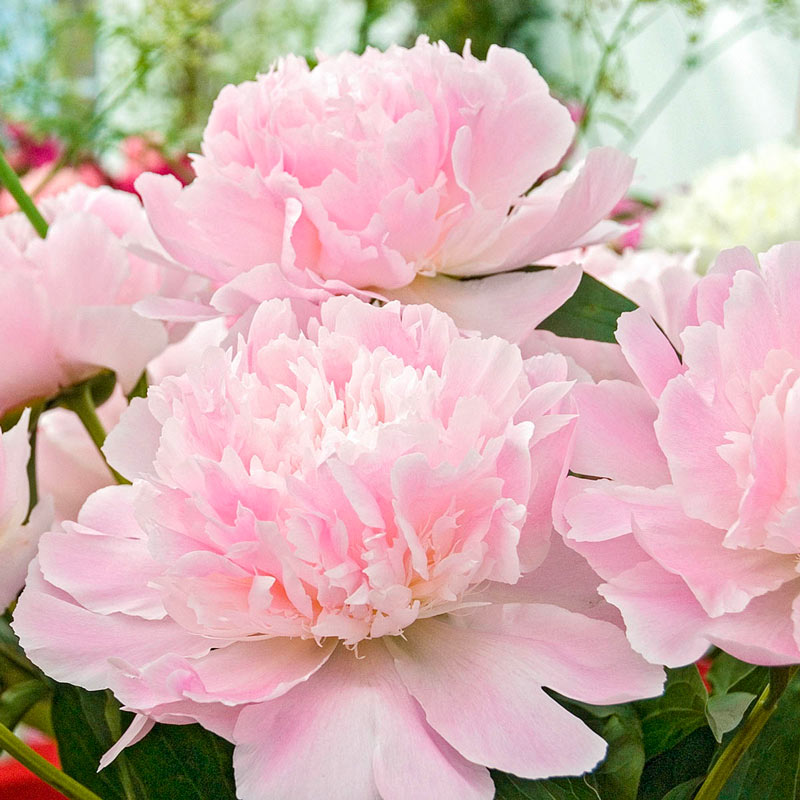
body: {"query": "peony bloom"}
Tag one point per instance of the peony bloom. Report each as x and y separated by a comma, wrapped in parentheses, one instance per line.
(695, 528)
(66, 300)
(17, 539)
(336, 553)
(382, 171)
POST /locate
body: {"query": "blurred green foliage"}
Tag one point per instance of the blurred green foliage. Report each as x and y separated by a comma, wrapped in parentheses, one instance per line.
(91, 72)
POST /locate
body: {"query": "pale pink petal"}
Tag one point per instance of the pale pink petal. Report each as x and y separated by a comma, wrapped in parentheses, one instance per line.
(597, 187)
(663, 620)
(479, 691)
(74, 645)
(765, 632)
(648, 351)
(508, 305)
(690, 432)
(252, 672)
(615, 437)
(563, 579)
(575, 655)
(354, 717)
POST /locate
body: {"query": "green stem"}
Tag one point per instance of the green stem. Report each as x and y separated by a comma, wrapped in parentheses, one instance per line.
(80, 401)
(612, 43)
(42, 768)
(33, 488)
(114, 722)
(748, 732)
(691, 62)
(11, 181)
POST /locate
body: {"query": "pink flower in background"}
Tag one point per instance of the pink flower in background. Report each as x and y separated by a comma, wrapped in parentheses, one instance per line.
(385, 171)
(696, 527)
(634, 213)
(142, 155)
(26, 151)
(342, 539)
(17, 540)
(66, 301)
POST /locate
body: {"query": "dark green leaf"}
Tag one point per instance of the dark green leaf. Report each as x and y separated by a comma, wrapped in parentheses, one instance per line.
(101, 387)
(685, 790)
(140, 389)
(688, 760)
(618, 776)
(184, 762)
(591, 313)
(179, 762)
(728, 674)
(83, 736)
(17, 700)
(673, 716)
(770, 768)
(509, 787)
(725, 711)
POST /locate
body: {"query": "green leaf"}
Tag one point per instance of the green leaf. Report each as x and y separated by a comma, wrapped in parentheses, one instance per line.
(685, 790)
(184, 762)
(140, 389)
(179, 762)
(728, 674)
(17, 700)
(509, 787)
(618, 776)
(686, 761)
(770, 768)
(83, 736)
(591, 313)
(677, 713)
(101, 387)
(725, 711)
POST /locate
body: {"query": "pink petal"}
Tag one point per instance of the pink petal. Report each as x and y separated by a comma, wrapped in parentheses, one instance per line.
(255, 671)
(690, 432)
(74, 645)
(480, 692)
(351, 732)
(615, 437)
(509, 305)
(648, 351)
(663, 620)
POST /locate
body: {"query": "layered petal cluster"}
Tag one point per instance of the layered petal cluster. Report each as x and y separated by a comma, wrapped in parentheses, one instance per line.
(336, 553)
(68, 465)
(66, 300)
(17, 539)
(377, 171)
(696, 527)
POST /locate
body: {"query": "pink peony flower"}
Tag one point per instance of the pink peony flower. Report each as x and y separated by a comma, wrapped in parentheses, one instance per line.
(17, 540)
(385, 171)
(26, 151)
(143, 155)
(336, 553)
(66, 301)
(695, 528)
